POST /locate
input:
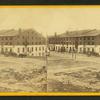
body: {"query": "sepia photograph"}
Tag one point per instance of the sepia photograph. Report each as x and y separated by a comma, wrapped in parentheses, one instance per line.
(22, 51)
(50, 49)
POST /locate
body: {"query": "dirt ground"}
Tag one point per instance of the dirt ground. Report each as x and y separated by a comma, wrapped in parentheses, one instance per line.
(66, 74)
(61, 74)
(22, 74)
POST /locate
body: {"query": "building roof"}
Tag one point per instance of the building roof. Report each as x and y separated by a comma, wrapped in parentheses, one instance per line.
(13, 32)
(80, 33)
(10, 32)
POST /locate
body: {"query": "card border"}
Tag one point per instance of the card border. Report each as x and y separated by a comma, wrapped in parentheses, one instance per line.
(49, 93)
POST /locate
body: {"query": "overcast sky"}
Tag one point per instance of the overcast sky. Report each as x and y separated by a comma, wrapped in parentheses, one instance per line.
(50, 20)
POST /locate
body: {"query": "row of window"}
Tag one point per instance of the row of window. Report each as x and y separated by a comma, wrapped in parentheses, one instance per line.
(6, 43)
(33, 43)
(11, 38)
(86, 49)
(80, 49)
(73, 43)
(30, 37)
(27, 37)
(73, 38)
(10, 50)
(6, 49)
(6, 38)
(87, 43)
(30, 49)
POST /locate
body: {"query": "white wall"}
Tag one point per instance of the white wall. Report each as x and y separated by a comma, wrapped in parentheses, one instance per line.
(39, 52)
(67, 48)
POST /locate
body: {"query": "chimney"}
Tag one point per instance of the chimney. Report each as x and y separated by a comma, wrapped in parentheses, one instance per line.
(55, 34)
(20, 30)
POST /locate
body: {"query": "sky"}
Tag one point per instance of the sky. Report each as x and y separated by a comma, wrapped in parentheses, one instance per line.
(50, 20)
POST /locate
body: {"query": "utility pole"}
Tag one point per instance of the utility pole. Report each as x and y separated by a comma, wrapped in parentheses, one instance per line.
(46, 56)
(76, 47)
(46, 49)
(73, 53)
(26, 43)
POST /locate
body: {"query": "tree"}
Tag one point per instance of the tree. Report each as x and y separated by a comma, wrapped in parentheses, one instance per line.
(26, 44)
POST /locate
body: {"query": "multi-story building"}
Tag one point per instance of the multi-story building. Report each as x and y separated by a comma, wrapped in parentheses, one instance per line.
(22, 41)
(83, 41)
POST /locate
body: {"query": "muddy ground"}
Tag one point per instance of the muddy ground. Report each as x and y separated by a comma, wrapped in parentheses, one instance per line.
(22, 74)
(61, 74)
(66, 74)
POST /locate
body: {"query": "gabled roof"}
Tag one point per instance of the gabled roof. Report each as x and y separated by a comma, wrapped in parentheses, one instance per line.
(80, 33)
(10, 32)
(13, 32)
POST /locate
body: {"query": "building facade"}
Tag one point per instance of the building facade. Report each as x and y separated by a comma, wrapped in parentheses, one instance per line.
(22, 41)
(82, 41)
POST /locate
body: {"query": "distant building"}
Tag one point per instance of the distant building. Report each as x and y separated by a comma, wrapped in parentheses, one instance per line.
(22, 41)
(83, 41)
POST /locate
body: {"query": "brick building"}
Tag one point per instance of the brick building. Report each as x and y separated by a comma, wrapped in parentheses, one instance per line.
(22, 41)
(83, 41)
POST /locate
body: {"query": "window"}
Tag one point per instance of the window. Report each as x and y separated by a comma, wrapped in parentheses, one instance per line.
(6, 43)
(18, 50)
(92, 38)
(88, 49)
(28, 49)
(39, 54)
(10, 43)
(10, 38)
(2, 38)
(70, 48)
(67, 43)
(10, 49)
(6, 38)
(88, 38)
(92, 43)
(39, 42)
(80, 49)
(6, 49)
(42, 48)
(23, 49)
(32, 49)
(88, 43)
(39, 48)
(36, 48)
(92, 49)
